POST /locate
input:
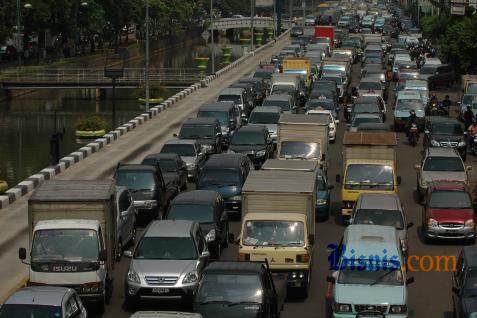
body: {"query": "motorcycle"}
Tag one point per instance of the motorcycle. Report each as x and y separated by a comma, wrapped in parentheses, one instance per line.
(413, 135)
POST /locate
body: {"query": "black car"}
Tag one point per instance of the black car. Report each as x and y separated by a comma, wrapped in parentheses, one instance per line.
(260, 86)
(206, 131)
(239, 289)
(323, 103)
(173, 168)
(254, 142)
(445, 132)
(228, 115)
(358, 108)
(296, 31)
(226, 174)
(145, 182)
(464, 279)
(207, 209)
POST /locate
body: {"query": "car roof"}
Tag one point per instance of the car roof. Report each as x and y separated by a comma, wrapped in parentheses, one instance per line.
(379, 201)
(197, 197)
(252, 128)
(405, 94)
(234, 267)
(201, 121)
(441, 152)
(217, 106)
(280, 97)
(40, 295)
(169, 228)
(232, 91)
(470, 255)
(267, 109)
(176, 141)
(224, 160)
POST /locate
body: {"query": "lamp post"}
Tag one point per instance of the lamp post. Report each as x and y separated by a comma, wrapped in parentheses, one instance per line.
(212, 41)
(146, 71)
(252, 29)
(19, 39)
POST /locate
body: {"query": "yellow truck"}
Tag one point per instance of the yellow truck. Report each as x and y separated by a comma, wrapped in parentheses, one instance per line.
(298, 65)
(369, 166)
(469, 81)
(278, 224)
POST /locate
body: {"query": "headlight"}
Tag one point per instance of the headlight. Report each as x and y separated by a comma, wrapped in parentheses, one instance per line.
(210, 237)
(133, 276)
(461, 144)
(150, 204)
(469, 223)
(190, 278)
(235, 198)
(260, 153)
(398, 309)
(434, 143)
(321, 201)
(432, 223)
(342, 307)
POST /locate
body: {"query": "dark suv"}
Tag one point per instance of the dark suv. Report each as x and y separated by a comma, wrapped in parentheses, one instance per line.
(445, 132)
(206, 131)
(463, 283)
(254, 142)
(226, 113)
(173, 168)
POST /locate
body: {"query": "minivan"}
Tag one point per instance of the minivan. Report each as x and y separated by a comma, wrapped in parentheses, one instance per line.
(237, 95)
(206, 131)
(228, 115)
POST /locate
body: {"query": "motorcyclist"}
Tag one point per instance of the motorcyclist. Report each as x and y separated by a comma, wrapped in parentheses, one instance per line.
(412, 119)
(472, 132)
(432, 103)
(446, 102)
(468, 117)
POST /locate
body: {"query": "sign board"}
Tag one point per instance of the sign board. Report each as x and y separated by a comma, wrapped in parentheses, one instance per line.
(264, 3)
(457, 9)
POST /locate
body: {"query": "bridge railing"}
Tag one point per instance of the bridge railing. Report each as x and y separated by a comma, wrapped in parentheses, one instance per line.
(233, 23)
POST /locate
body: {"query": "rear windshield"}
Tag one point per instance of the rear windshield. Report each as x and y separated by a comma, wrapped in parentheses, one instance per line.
(443, 164)
(450, 200)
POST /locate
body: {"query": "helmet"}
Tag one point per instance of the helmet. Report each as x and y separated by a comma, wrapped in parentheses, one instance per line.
(412, 112)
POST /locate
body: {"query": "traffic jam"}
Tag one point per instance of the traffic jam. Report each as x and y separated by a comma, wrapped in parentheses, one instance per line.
(232, 216)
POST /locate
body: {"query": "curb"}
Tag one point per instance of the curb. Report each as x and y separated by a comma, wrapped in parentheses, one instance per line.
(24, 187)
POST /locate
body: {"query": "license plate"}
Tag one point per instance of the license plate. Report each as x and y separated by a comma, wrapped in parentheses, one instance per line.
(451, 230)
(160, 291)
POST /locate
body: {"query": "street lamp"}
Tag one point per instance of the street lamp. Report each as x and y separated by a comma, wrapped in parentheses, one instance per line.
(146, 71)
(19, 28)
(212, 31)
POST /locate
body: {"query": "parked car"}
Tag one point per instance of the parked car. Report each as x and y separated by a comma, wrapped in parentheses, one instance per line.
(206, 208)
(226, 174)
(173, 168)
(43, 301)
(206, 131)
(463, 283)
(240, 289)
(448, 212)
(254, 142)
(445, 132)
(167, 263)
(440, 164)
(190, 153)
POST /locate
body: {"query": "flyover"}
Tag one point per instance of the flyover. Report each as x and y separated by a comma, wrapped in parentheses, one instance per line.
(245, 22)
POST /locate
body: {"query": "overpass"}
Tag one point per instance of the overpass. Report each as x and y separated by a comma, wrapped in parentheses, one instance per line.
(129, 143)
(245, 22)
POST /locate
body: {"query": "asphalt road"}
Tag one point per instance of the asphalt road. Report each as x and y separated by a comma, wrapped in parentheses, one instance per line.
(429, 296)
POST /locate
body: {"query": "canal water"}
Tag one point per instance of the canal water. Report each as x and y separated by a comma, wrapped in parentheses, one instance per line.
(27, 123)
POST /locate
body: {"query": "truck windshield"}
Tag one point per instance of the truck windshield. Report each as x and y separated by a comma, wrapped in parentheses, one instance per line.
(379, 217)
(229, 288)
(196, 132)
(300, 150)
(193, 212)
(369, 176)
(273, 233)
(221, 116)
(355, 273)
(181, 150)
(136, 180)
(70, 245)
(166, 248)
(29, 311)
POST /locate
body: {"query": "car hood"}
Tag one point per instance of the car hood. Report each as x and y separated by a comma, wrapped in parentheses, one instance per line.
(246, 149)
(439, 137)
(223, 310)
(225, 191)
(145, 267)
(444, 175)
(450, 215)
(373, 295)
(405, 113)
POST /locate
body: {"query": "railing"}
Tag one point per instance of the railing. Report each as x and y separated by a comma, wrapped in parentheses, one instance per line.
(236, 23)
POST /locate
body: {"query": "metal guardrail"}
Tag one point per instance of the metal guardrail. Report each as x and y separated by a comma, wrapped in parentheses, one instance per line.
(135, 76)
(237, 23)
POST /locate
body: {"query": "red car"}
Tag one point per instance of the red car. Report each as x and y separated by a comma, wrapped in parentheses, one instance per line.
(448, 212)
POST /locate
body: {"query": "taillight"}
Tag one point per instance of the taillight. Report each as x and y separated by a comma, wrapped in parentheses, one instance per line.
(243, 257)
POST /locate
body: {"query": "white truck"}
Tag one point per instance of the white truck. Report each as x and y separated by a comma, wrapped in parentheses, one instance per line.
(303, 137)
(73, 237)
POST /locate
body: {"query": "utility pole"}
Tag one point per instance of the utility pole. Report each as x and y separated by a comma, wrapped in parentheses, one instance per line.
(291, 12)
(212, 33)
(275, 20)
(19, 39)
(146, 71)
(252, 15)
(303, 6)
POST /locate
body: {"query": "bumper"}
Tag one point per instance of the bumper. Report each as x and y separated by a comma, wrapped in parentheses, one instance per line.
(322, 210)
(294, 279)
(158, 293)
(351, 315)
(446, 233)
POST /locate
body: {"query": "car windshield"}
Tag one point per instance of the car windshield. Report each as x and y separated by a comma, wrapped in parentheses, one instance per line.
(403, 105)
(222, 116)
(450, 200)
(428, 70)
(167, 165)
(300, 150)
(321, 183)
(220, 177)
(65, 245)
(273, 233)
(282, 89)
(358, 120)
(370, 86)
(229, 288)
(248, 138)
(366, 108)
(197, 131)
(264, 118)
(283, 104)
(355, 273)
(136, 180)
(200, 213)
(447, 128)
(379, 217)
(166, 248)
(470, 286)
(443, 164)
(263, 74)
(30, 311)
(369, 176)
(237, 99)
(179, 149)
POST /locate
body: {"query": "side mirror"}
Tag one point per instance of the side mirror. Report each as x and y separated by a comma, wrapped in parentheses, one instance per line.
(409, 280)
(22, 253)
(175, 135)
(311, 239)
(124, 214)
(399, 180)
(103, 256)
(128, 254)
(338, 178)
(205, 254)
(417, 167)
(330, 279)
(409, 225)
